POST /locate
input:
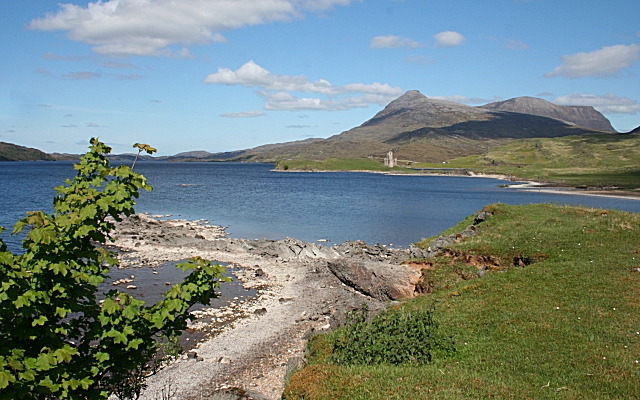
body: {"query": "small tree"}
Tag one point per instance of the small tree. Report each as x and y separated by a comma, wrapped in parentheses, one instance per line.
(56, 339)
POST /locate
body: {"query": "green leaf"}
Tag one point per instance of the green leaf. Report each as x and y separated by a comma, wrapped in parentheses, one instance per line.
(6, 378)
(39, 321)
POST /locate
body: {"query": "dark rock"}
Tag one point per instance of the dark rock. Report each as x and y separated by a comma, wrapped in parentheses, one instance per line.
(192, 354)
(259, 273)
(481, 217)
(260, 311)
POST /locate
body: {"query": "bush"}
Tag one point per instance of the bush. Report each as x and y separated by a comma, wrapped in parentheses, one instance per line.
(395, 337)
(57, 340)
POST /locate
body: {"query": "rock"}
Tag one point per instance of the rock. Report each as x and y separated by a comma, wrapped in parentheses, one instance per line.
(481, 217)
(260, 311)
(224, 360)
(417, 252)
(237, 394)
(294, 364)
(259, 273)
(192, 355)
(375, 279)
(482, 270)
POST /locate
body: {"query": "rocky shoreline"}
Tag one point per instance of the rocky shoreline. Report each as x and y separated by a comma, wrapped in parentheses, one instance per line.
(300, 288)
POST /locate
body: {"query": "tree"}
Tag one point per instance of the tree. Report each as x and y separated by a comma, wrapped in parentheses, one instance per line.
(56, 339)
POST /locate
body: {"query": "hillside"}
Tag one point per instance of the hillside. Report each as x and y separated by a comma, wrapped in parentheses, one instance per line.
(584, 116)
(602, 160)
(14, 152)
(432, 130)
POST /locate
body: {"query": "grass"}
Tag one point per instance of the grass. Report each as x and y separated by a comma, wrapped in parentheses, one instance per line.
(589, 160)
(334, 164)
(565, 325)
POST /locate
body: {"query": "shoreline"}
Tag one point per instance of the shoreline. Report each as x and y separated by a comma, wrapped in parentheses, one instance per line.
(528, 185)
(253, 343)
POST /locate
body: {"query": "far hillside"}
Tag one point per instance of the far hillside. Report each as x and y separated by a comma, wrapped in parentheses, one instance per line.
(14, 152)
(593, 160)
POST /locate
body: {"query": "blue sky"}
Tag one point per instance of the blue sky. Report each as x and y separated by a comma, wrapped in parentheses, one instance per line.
(223, 75)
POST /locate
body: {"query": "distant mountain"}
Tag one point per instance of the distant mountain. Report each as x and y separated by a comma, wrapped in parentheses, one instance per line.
(14, 152)
(636, 131)
(585, 116)
(424, 129)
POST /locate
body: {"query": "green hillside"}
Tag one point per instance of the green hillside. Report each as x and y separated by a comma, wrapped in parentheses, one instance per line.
(555, 316)
(13, 152)
(593, 160)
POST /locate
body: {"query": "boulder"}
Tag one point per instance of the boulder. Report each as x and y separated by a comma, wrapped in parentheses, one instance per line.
(379, 280)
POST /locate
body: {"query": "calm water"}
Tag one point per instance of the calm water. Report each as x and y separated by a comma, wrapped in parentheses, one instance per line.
(255, 203)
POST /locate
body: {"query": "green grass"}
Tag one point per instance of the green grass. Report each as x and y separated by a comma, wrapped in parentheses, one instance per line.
(564, 326)
(334, 164)
(591, 160)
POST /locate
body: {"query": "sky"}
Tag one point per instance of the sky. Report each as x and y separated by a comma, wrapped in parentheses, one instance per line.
(224, 75)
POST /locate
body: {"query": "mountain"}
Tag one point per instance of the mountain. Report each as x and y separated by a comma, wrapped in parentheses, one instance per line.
(635, 131)
(14, 152)
(585, 116)
(424, 129)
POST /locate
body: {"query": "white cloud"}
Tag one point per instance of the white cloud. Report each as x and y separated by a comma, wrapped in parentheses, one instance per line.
(604, 62)
(287, 101)
(244, 114)
(513, 44)
(458, 98)
(117, 65)
(151, 27)
(277, 89)
(391, 41)
(606, 104)
(82, 75)
(449, 39)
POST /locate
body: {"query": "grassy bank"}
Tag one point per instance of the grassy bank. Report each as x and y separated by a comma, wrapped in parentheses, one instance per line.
(334, 164)
(563, 325)
(590, 160)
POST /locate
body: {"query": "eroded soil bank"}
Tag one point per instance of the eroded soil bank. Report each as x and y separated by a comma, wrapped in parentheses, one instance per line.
(299, 288)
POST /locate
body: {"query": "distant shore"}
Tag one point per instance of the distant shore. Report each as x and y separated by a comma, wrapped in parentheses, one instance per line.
(524, 184)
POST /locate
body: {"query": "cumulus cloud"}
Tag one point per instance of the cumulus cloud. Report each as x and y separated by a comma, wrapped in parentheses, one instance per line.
(151, 27)
(607, 61)
(513, 44)
(449, 39)
(244, 114)
(287, 101)
(277, 89)
(391, 41)
(606, 104)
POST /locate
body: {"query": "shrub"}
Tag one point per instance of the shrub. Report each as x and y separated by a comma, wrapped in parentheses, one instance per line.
(395, 337)
(57, 340)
